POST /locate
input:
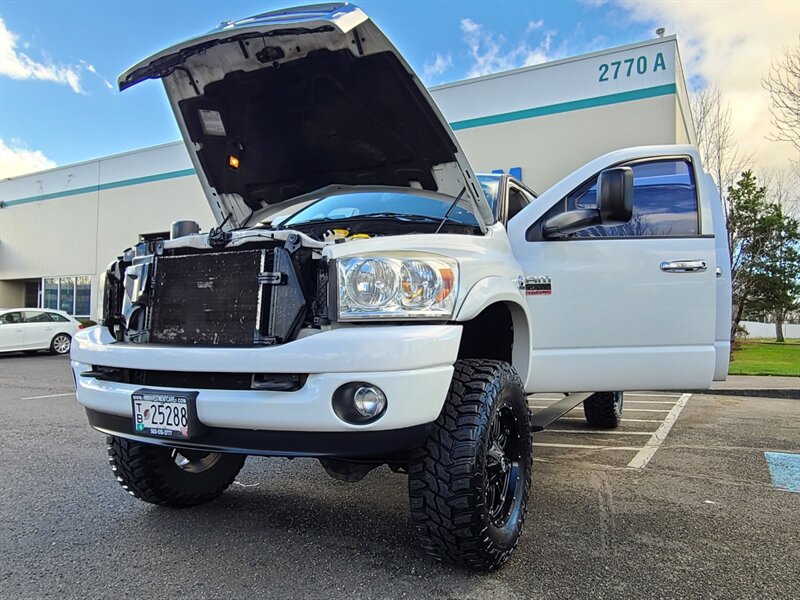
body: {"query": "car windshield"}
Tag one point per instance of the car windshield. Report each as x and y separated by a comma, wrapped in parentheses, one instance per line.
(491, 187)
(381, 204)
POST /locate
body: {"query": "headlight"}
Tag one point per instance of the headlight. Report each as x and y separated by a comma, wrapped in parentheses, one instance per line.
(382, 287)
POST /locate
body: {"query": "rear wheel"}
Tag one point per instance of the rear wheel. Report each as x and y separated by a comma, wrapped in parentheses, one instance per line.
(60, 344)
(603, 409)
(469, 485)
(174, 477)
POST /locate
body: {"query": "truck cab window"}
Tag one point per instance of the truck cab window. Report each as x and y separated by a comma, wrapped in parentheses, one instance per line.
(664, 202)
(517, 200)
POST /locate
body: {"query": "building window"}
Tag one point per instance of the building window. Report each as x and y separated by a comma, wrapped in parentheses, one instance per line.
(83, 296)
(50, 293)
(70, 294)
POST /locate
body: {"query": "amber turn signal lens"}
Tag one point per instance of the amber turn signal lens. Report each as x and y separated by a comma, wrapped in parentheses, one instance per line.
(448, 282)
(233, 162)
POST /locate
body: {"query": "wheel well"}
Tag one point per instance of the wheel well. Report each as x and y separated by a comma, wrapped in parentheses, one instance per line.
(489, 335)
(499, 332)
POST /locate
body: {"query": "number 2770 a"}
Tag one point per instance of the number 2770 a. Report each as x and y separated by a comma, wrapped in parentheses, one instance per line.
(631, 66)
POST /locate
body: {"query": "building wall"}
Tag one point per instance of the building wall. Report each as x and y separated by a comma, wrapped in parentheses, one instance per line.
(767, 330)
(12, 294)
(548, 148)
(548, 120)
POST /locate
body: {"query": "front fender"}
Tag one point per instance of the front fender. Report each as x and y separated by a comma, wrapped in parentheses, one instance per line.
(504, 290)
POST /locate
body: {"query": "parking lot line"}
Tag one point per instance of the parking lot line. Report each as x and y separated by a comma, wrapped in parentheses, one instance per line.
(586, 446)
(653, 395)
(654, 443)
(597, 432)
(650, 402)
(623, 420)
(654, 410)
(48, 396)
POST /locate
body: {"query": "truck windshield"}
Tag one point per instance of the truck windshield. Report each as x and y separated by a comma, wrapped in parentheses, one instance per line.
(491, 187)
(380, 204)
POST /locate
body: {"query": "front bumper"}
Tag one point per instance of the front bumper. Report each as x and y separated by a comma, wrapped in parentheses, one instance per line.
(300, 422)
(278, 443)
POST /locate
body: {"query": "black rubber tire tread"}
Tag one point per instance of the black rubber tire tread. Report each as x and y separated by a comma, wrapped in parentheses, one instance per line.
(148, 472)
(446, 476)
(600, 412)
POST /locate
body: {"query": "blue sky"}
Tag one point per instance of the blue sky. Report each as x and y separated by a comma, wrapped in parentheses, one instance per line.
(58, 58)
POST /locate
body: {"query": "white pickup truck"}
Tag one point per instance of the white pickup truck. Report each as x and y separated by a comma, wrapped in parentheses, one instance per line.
(367, 299)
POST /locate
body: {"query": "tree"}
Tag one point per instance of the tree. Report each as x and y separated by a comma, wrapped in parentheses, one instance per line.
(783, 83)
(776, 277)
(716, 142)
(765, 262)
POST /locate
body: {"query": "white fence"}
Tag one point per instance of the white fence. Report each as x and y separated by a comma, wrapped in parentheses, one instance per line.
(767, 330)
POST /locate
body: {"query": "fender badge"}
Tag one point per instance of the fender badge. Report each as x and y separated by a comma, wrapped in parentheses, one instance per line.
(538, 286)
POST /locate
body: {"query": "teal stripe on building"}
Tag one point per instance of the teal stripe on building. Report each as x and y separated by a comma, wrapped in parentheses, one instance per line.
(528, 113)
(103, 186)
(552, 109)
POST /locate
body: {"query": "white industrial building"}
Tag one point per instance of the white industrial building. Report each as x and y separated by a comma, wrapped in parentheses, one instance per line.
(60, 228)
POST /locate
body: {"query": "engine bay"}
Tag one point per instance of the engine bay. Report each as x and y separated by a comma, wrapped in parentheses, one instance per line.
(257, 290)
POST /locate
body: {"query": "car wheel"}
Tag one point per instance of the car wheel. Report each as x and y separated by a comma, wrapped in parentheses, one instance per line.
(603, 410)
(469, 484)
(61, 344)
(170, 476)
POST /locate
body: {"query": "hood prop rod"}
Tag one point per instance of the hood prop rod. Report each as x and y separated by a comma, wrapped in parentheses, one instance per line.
(449, 210)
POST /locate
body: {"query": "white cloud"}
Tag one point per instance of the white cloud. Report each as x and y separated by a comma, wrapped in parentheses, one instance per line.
(93, 70)
(16, 160)
(730, 44)
(18, 65)
(491, 52)
(438, 66)
(534, 25)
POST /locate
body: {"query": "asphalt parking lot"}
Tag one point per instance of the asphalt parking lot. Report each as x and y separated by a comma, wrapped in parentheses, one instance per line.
(678, 502)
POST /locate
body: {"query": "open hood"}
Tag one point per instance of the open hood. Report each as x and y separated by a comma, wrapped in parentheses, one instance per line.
(285, 103)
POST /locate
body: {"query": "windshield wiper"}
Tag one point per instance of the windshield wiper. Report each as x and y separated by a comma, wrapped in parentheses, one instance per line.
(381, 215)
(405, 217)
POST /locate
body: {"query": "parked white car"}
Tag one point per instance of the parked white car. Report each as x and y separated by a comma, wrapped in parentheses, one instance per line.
(32, 329)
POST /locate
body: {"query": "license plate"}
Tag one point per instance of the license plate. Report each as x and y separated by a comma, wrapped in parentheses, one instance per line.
(164, 414)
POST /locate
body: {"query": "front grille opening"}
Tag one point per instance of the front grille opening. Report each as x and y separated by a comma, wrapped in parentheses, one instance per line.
(274, 382)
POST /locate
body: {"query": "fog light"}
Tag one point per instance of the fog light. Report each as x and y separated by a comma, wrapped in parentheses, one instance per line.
(359, 402)
(369, 400)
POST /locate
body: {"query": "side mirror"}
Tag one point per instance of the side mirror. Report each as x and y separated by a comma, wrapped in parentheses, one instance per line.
(614, 206)
(615, 196)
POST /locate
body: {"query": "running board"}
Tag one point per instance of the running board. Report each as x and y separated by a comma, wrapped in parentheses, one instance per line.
(546, 416)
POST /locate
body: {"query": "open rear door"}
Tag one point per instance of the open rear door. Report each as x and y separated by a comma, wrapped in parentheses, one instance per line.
(629, 306)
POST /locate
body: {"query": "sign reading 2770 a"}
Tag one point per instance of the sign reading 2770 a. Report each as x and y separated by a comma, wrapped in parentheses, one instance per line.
(631, 67)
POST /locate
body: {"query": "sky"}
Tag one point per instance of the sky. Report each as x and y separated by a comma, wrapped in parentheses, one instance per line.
(59, 59)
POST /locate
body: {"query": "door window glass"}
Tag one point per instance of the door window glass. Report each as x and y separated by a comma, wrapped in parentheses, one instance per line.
(11, 318)
(37, 316)
(664, 201)
(59, 318)
(517, 200)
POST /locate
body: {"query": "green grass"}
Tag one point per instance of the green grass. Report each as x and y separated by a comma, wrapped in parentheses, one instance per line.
(765, 357)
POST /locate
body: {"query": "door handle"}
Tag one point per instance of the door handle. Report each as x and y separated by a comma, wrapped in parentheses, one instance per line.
(683, 266)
